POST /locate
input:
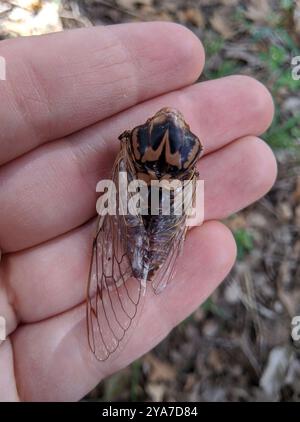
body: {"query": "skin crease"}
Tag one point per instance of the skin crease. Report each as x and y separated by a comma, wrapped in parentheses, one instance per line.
(58, 138)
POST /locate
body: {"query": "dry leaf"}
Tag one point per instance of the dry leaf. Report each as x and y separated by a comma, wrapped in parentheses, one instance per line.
(297, 16)
(160, 371)
(31, 5)
(23, 22)
(222, 24)
(215, 360)
(163, 16)
(237, 222)
(130, 4)
(285, 211)
(193, 16)
(258, 10)
(156, 391)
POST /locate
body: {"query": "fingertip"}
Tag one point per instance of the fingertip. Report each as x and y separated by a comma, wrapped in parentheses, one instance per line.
(223, 246)
(211, 243)
(190, 49)
(263, 172)
(179, 46)
(259, 101)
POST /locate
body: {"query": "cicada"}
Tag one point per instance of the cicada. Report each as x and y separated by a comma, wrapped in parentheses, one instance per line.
(134, 250)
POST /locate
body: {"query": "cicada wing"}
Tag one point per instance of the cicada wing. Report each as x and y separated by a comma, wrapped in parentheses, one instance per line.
(166, 271)
(174, 243)
(113, 293)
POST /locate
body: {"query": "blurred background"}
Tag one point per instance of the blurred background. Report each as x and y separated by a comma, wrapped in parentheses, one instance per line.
(237, 346)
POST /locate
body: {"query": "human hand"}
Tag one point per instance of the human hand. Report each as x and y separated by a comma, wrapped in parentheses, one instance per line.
(66, 99)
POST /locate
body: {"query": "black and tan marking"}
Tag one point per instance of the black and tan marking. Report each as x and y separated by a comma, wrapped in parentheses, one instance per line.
(164, 145)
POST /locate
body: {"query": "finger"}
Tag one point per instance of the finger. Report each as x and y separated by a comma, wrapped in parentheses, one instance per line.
(56, 271)
(60, 83)
(236, 176)
(8, 390)
(52, 189)
(52, 358)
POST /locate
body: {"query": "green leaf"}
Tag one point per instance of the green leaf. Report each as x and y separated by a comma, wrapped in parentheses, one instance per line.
(244, 242)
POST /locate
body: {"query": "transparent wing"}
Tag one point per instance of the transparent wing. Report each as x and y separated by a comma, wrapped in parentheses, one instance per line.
(113, 293)
(169, 241)
(164, 274)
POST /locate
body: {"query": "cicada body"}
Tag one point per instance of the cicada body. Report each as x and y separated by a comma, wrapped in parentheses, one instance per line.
(134, 249)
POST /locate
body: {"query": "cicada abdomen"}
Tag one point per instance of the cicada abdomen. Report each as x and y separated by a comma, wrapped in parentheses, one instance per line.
(134, 249)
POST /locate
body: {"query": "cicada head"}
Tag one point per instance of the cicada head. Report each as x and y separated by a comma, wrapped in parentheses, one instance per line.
(164, 145)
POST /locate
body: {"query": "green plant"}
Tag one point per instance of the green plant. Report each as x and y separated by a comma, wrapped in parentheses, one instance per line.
(244, 242)
(136, 369)
(284, 134)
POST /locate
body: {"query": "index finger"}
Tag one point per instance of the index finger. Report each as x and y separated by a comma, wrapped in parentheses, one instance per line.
(59, 83)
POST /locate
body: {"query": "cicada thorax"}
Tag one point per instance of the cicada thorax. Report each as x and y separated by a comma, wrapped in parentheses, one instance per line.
(164, 146)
